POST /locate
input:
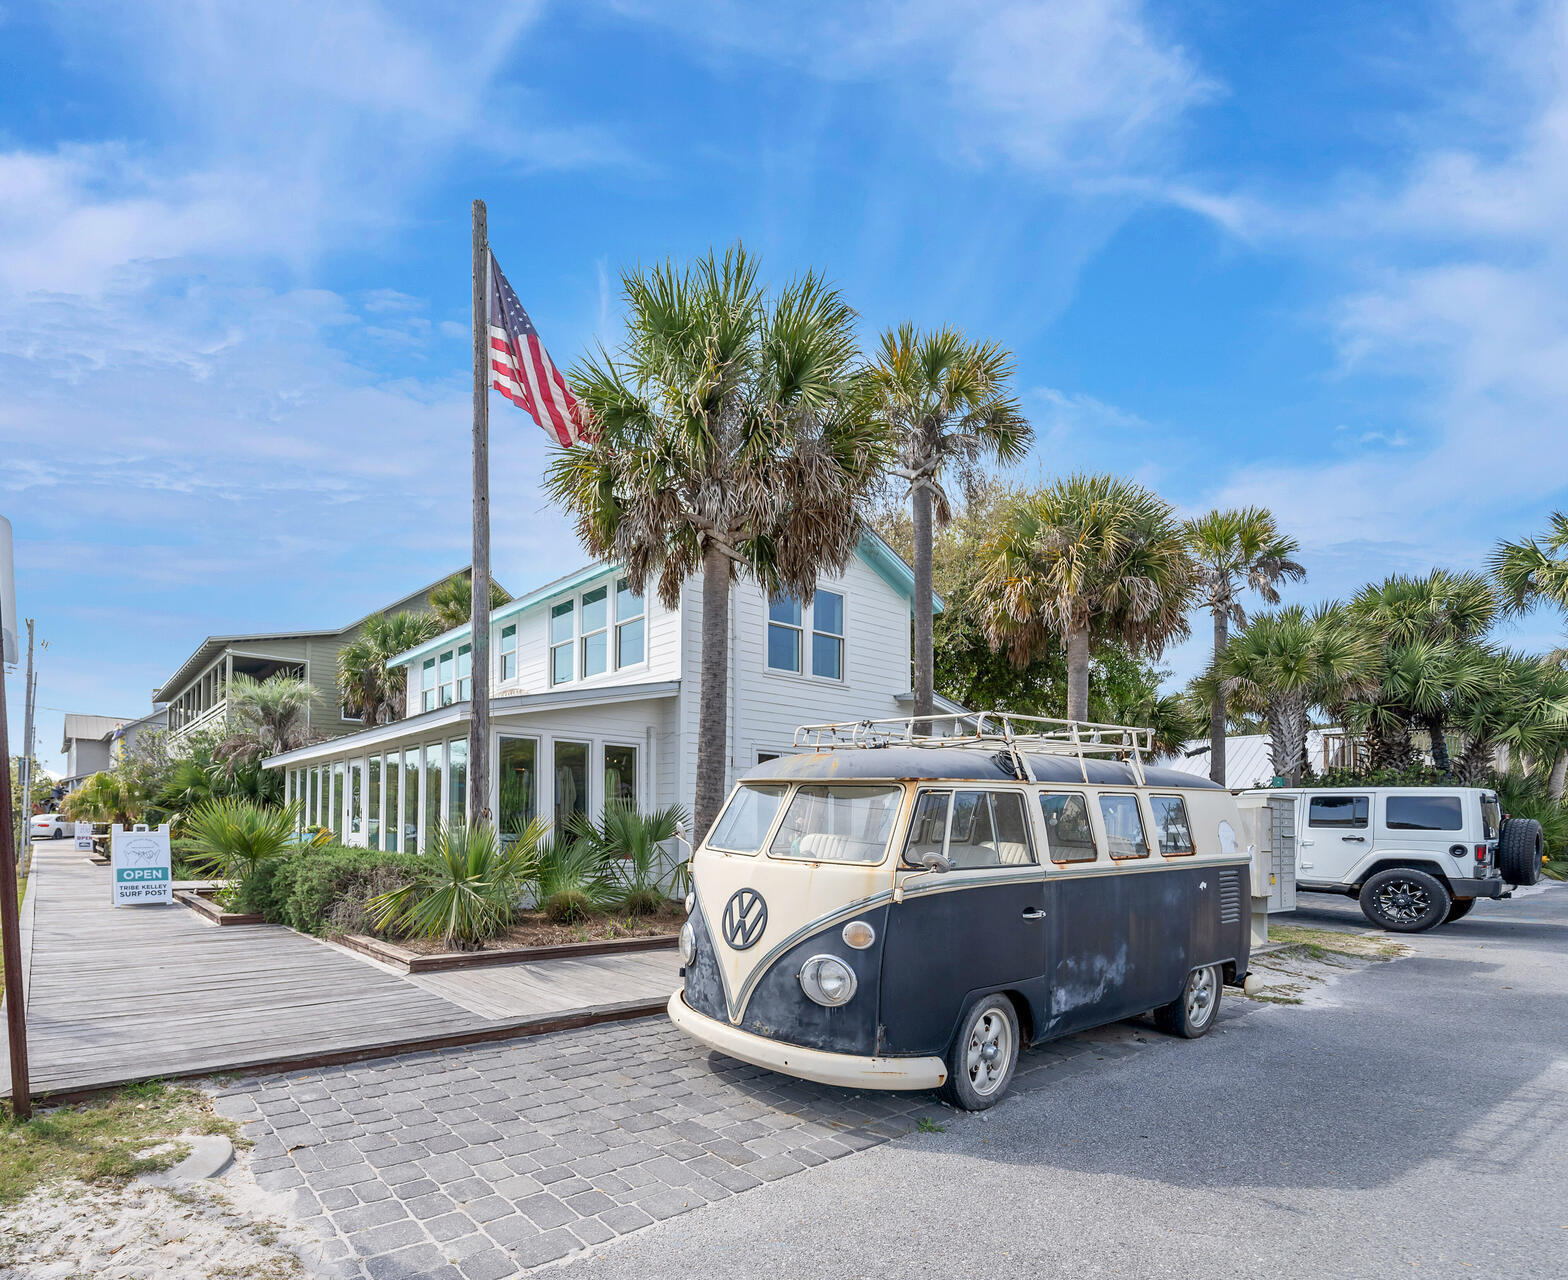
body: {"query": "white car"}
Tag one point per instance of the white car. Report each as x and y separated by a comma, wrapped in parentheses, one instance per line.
(48, 826)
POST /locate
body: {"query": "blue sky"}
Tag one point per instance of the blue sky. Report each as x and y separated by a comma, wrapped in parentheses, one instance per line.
(1311, 257)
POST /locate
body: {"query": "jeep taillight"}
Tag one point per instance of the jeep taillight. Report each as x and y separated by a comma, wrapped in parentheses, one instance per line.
(1480, 855)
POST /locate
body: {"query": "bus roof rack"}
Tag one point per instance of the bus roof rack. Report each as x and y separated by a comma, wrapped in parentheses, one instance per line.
(1003, 731)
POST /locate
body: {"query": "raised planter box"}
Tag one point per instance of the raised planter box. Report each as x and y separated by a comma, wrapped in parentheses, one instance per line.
(427, 962)
(201, 902)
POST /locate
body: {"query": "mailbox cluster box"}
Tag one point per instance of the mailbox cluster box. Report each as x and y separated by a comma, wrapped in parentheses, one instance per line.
(1270, 823)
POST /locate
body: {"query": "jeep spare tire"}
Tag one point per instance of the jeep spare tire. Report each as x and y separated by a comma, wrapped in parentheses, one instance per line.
(1519, 851)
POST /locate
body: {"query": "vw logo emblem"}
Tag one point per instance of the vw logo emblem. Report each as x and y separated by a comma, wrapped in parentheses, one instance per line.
(745, 917)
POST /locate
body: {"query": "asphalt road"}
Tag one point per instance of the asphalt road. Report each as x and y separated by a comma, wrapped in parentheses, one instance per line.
(1415, 1124)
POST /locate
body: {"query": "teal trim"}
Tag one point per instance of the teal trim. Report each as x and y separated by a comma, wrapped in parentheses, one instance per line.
(892, 568)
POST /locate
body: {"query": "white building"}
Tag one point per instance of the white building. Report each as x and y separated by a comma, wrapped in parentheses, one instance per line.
(594, 693)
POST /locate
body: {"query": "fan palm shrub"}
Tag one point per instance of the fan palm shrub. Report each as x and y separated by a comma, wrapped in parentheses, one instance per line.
(476, 885)
(1236, 551)
(732, 435)
(571, 881)
(629, 845)
(265, 717)
(372, 690)
(101, 798)
(234, 836)
(945, 404)
(1086, 559)
(453, 601)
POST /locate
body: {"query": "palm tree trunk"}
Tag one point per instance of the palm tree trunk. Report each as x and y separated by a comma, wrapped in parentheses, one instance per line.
(1288, 737)
(1437, 730)
(1558, 782)
(1217, 707)
(920, 501)
(712, 740)
(1078, 673)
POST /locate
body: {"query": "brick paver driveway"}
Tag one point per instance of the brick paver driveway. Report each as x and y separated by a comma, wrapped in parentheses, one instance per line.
(482, 1162)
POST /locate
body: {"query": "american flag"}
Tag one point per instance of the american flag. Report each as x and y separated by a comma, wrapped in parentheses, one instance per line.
(521, 369)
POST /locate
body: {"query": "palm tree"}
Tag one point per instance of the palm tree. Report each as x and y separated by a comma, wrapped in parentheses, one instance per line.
(1532, 570)
(732, 437)
(1236, 551)
(1287, 662)
(945, 405)
(1088, 558)
(1521, 703)
(370, 688)
(453, 601)
(266, 717)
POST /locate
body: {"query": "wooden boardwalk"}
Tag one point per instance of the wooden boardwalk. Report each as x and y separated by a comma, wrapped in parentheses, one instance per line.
(156, 991)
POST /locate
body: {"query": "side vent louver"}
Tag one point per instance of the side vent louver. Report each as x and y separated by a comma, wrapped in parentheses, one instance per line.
(1230, 897)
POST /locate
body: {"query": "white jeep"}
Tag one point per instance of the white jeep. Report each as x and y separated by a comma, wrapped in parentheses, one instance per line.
(1415, 857)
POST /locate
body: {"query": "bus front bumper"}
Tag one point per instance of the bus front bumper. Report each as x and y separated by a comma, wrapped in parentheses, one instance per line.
(844, 1069)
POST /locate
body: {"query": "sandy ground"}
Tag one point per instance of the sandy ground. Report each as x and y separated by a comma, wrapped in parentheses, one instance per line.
(223, 1229)
(1292, 977)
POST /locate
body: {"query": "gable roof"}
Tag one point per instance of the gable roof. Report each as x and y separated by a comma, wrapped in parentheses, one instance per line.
(89, 728)
(884, 561)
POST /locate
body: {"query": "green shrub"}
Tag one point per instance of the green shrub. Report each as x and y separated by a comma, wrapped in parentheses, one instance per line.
(236, 836)
(571, 882)
(326, 889)
(628, 845)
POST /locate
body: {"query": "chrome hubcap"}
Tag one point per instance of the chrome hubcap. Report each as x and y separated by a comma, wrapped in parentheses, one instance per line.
(1404, 901)
(989, 1051)
(1202, 986)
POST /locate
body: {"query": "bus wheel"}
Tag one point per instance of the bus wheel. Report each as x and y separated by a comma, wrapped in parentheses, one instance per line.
(1191, 1014)
(980, 1064)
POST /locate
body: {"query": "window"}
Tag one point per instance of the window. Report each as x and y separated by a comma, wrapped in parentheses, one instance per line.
(620, 776)
(1337, 811)
(447, 682)
(508, 650)
(338, 802)
(827, 635)
(1425, 813)
(409, 805)
(1491, 817)
(970, 829)
(392, 825)
(743, 825)
(928, 828)
(356, 785)
(837, 824)
(784, 631)
(1171, 827)
(1068, 835)
(1124, 826)
(456, 781)
(571, 781)
(562, 627)
(348, 713)
(373, 803)
(427, 685)
(596, 635)
(518, 762)
(465, 672)
(630, 626)
(430, 808)
(311, 792)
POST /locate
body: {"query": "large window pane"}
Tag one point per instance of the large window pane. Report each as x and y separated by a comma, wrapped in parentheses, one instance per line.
(430, 808)
(411, 842)
(1171, 827)
(743, 825)
(519, 784)
(448, 687)
(508, 652)
(373, 804)
(338, 804)
(783, 648)
(571, 781)
(620, 775)
(456, 781)
(392, 827)
(837, 824)
(630, 643)
(1337, 811)
(1068, 834)
(1424, 813)
(928, 828)
(596, 609)
(465, 671)
(312, 791)
(356, 818)
(827, 612)
(561, 632)
(427, 685)
(1124, 826)
(596, 654)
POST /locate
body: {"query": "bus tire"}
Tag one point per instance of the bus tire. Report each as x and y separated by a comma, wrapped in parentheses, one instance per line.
(984, 1055)
(1405, 900)
(1195, 1010)
(1459, 910)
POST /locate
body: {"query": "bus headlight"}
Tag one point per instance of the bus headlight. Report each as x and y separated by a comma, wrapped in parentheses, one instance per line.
(688, 943)
(827, 980)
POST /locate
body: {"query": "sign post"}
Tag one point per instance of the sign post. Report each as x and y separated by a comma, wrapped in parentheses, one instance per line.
(140, 864)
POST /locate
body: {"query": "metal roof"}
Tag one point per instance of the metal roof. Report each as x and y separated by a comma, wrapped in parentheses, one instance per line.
(89, 728)
(960, 763)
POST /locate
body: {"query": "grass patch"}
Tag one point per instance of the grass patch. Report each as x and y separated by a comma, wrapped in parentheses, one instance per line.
(927, 1125)
(1325, 944)
(133, 1131)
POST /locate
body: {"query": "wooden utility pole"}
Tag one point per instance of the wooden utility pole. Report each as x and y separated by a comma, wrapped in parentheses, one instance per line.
(25, 773)
(479, 614)
(11, 942)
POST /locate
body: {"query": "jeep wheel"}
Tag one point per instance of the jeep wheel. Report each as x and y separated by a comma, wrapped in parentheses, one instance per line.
(984, 1053)
(1519, 851)
(1459, 910)
(1191, 1014)
(1403, 900)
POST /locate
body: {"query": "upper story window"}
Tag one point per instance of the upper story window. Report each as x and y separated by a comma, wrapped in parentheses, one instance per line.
(446, 678)
(465, 672)
(508, 652)
(789, 623)
(582, 628)
(427, 685)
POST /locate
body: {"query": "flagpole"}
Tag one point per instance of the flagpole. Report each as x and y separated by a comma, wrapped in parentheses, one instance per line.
(479, 613)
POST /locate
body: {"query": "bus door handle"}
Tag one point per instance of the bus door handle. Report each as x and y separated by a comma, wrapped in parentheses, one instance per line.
(1033, 913)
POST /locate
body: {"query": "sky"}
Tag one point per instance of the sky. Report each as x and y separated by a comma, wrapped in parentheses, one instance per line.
(1309, 257)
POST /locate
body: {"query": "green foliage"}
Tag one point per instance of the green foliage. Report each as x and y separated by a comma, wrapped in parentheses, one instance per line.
(235, 836)
(265, 717)
(453, 601)
(628, 844)
(40, 786)
(571, 882)
(326, 889)
(477, 881)
(372, 690)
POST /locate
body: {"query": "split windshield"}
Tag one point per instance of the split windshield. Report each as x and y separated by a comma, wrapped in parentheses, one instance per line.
(744, 824)
(838, 824)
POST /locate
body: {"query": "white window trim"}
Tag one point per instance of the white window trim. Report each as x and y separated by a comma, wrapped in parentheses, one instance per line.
(808, 629)
(636, 748)
(502, 651)
(610, 630)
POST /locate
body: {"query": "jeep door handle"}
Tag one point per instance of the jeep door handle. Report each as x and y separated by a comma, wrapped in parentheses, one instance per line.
(1033, 913)
(1362, 839)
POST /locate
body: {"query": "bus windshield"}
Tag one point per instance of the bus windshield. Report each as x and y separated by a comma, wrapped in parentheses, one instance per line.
(838, 824)
(743, 825)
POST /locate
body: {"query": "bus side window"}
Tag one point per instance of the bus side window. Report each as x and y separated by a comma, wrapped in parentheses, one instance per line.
(928, 827)
(1068, 835)
(1171, 827)
(1123, 825)
(987, 829)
